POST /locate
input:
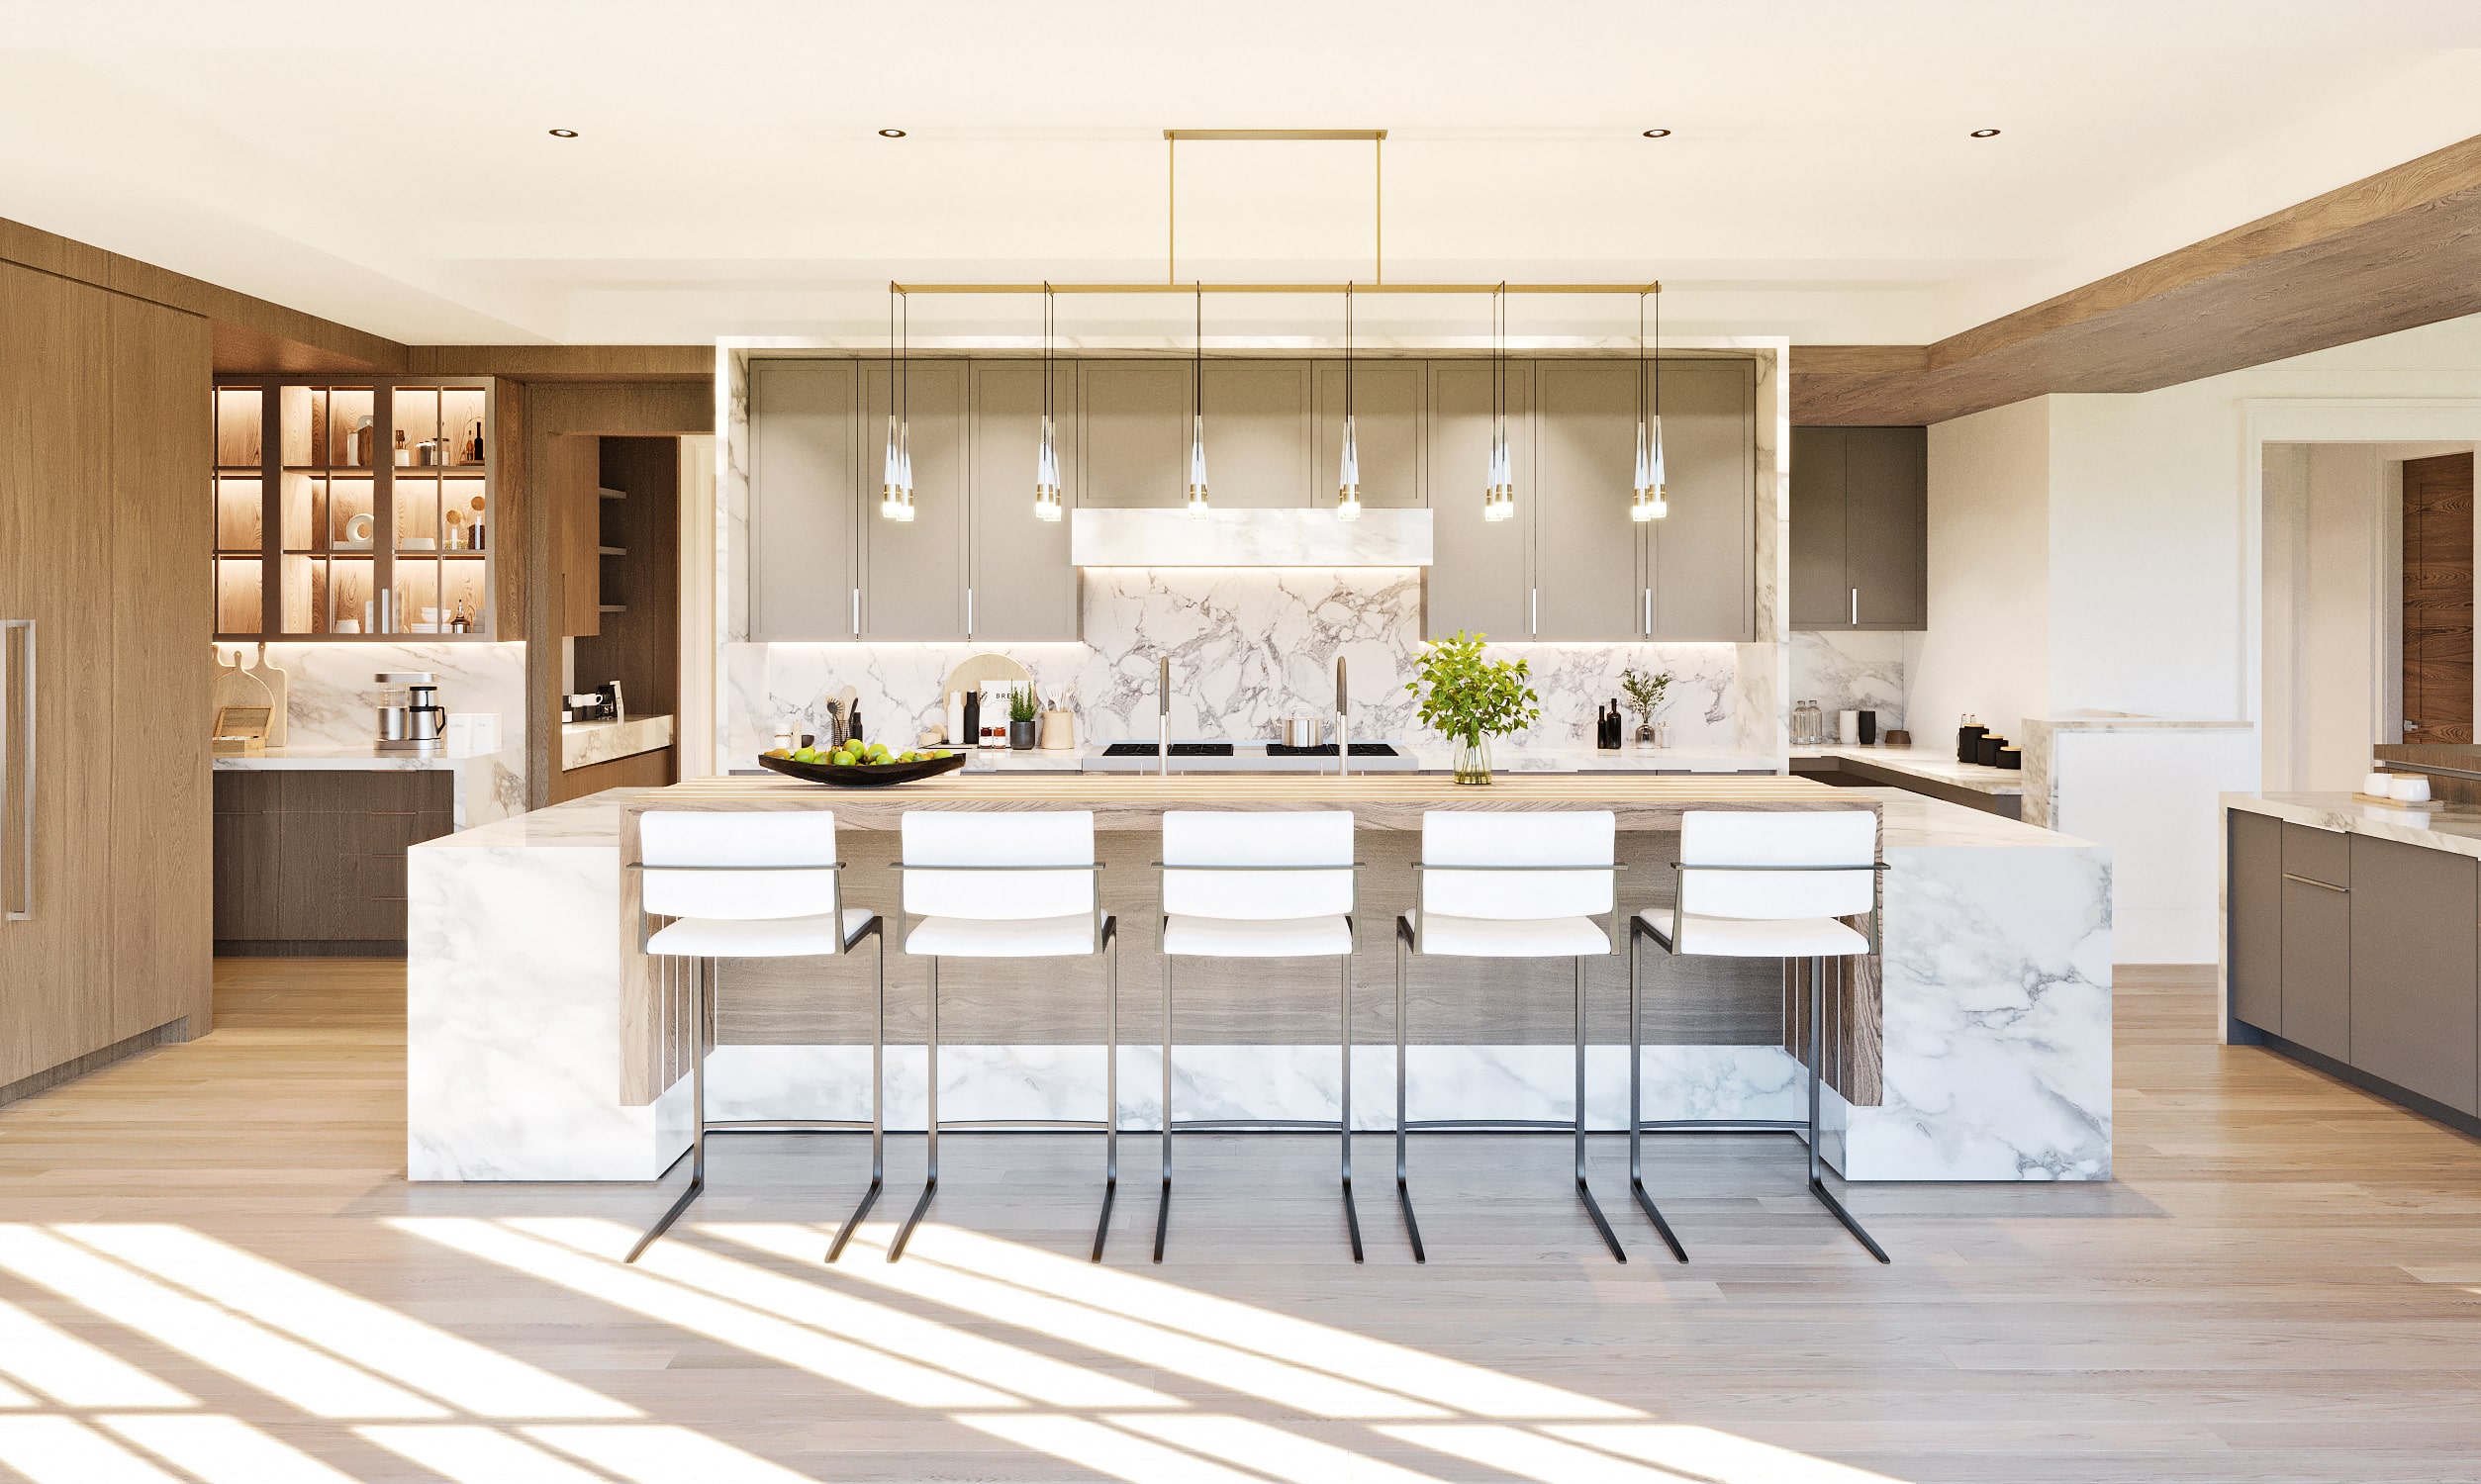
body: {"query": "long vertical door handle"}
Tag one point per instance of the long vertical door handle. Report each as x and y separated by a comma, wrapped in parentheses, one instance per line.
(1856, 608)
(1533, 611)
(857, 613)
(1649, 628)
(24, 909)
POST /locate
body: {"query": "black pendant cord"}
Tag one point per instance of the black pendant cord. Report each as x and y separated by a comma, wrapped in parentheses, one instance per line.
(1641, 358)
(1347, 355)
(1197, 347)
(1657, 354)
(904, 409)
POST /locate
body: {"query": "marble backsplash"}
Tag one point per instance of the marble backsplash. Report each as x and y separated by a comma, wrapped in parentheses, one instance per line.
(1852, 672)
(333, 699)
(1248, 646)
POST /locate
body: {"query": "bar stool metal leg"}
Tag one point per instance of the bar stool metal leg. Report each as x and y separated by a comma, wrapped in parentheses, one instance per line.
(1163, 1209)
(1817, 1182)
(1584, 1191)
(698, 1110)
(930, 1126)
(1352, 1218)
(878, 1110)
(1636, 1105)
(1111, 1094)
(1403, 1191)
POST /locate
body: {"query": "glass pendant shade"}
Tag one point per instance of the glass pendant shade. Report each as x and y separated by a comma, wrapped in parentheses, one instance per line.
(1348, 480)
(1498, 496)
(1047, 476)
(1197, 502)
(1648, 504)
(896, 486)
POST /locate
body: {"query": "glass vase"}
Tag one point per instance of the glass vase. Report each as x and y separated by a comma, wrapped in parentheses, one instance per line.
(1473, 760)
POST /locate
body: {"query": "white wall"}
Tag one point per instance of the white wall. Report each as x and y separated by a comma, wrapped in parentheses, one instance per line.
(1988, 644)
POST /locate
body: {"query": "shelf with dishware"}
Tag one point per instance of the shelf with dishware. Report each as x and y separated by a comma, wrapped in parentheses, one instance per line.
(353, 508)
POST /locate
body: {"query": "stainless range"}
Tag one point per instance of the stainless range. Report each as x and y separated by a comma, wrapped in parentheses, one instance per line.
(1250, 757)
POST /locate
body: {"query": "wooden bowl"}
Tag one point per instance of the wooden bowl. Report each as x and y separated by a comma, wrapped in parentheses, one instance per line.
(863, 774)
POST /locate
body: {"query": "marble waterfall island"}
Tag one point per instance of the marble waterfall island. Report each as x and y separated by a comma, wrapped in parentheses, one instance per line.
(537, 1050)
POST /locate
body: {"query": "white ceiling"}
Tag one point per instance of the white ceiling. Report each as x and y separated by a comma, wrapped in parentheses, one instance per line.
(389, 166)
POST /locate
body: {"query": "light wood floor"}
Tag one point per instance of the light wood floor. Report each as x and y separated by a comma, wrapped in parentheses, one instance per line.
(2284, 1284)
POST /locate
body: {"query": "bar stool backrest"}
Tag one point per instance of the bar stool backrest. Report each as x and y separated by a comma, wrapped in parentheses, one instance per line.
(1842, 837)
(1581, 837)
(792, 838)
(954, 838)
(1197, 837)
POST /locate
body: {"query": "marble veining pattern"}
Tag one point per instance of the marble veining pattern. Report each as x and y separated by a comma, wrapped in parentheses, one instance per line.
(1851, 672)
(584, 743)
(2453, 827)
(1284, 537)
(332, 702)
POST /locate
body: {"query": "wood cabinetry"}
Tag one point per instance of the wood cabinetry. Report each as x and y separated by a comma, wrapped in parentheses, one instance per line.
(1859, 533)
(1584, 470)
(912, 572)
(1389, 399)
(1132, 434)
(805, 500)
(1019, 583)
(1481, 577)
(314, 862)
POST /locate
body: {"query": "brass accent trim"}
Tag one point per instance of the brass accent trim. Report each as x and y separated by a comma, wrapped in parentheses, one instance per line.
(1279, 287)
(1372, 134)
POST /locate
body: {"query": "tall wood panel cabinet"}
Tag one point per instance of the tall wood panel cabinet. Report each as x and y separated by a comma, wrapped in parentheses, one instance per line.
(105, 591)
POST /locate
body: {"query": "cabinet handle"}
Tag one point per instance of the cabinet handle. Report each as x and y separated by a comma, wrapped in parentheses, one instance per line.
(969, 612)
(25, 909)
(1856, 608)
(2320, 886)
(1533, 610)
(1649, 628)
(857, 613)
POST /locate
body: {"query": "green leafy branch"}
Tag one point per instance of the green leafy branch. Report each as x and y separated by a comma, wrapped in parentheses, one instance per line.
(1469, 697)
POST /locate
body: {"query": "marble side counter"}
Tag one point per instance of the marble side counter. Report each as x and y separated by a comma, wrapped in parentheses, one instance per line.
(2453, 827)
(488, 787)
(1933, 764)
(1997, 1025)
(586, 743)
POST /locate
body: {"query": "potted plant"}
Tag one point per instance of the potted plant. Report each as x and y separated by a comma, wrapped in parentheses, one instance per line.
(1645, 698)
(1472, 700)
(1022, 709)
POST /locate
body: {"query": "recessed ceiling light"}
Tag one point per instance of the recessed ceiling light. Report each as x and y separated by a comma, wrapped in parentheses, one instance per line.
(564, 134)
(1657, 134)
(1985, 134)
(890, 134)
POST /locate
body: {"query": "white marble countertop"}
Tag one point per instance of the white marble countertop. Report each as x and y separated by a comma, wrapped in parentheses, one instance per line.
(343, 760)
(1937, 764)
(586, 743)
(2116, 721)
(2455, 827)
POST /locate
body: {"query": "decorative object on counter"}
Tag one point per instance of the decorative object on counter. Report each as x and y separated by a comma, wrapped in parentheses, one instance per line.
(476, 534)
(1347, 472)
(1806, 724)
(1847, 727)
(1606, 727)
(471, 450)
(998, 704)
(930, 738)
(852, 719)
(2408, 787)
(784, 739)
(1047, 453)
(1059, 730)
(1297, 732)
(1022, 709)
(1648, 502)
(1968, 740)
(970, 735)
(1472, 700)
(1662, 734)
(955, 727)
(357, 534)
(1899, 738)
(1645, 698)
(411, 718)
(2374, 786)
(240, 732)
(279, 695)
(2008, 757)
(1986, 749)
(873, 766)
(1866, 728)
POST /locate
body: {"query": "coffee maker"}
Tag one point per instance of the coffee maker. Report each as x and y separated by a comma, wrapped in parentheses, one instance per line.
(411, 718)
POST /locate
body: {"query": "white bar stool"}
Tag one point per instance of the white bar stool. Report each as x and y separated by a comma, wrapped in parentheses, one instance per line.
(1510, 886)
(1249, 886)
(754, 887)
(1760, 885)
(1008, 885)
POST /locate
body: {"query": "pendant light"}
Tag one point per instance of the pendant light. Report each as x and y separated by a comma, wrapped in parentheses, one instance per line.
(1197, 414)
(1348, 478)
(1498, 494)
(896, 486)
(1047, 457)
(1648, 504)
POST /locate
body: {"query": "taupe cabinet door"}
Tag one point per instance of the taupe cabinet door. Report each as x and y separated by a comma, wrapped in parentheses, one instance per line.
(1589, 581)
(1702, 555)
(2255, 920)
(912, 581)
(803, 499)
(1859, 529)
(1480, 574)
(2416, 969)
(1388, 404)
(1256, 436)
(1019, 584)
(1132, 438)
(2317, 940)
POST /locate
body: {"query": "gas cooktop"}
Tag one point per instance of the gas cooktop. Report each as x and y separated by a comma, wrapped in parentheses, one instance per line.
(1247, 757)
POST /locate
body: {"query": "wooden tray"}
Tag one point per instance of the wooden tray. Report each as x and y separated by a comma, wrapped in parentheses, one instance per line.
(863, 774)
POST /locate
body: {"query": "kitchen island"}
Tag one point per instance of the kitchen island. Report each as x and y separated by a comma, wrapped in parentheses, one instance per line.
(535, 1052)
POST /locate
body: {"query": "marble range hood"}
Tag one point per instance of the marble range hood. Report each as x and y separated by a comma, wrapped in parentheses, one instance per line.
(1297, 537)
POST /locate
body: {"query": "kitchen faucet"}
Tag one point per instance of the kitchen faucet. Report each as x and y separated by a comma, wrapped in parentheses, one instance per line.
(1343, 731)
(1163, 717)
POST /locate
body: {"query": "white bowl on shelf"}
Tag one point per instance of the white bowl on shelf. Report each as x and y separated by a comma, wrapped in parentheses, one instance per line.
(418, 543)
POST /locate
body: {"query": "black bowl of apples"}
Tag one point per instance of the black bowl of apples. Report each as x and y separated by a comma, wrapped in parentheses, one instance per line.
(860, 765)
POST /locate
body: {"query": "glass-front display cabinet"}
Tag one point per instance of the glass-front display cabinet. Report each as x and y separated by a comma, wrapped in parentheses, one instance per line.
(350, 508)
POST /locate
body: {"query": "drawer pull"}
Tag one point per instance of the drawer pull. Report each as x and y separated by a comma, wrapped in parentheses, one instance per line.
(2320, 886)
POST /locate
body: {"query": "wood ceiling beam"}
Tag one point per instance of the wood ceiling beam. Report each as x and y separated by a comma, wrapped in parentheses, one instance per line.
(2398, 250)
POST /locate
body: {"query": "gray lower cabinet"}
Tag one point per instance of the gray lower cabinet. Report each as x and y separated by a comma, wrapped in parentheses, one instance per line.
(1020, 585)
(2317, 940)
(2255, 902)
(1481, 577)
(803, 499)
(2416, 969)
(1860, 538)
(1388, 402)
(913, 577)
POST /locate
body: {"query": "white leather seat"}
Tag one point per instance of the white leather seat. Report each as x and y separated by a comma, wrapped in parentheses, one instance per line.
(1755, 937)
(1015, 938)
(1264, 938)
(760, 938)
(1504, 938)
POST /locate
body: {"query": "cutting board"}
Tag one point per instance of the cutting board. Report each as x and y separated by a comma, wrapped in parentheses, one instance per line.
(235, 685)
(279, 686)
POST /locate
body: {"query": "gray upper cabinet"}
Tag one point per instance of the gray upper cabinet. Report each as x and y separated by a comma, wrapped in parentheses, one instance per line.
(803, 499)
(1132, 434)
(1256, 436)
(1702, 556)
(1387, 406)
(1859, 529)
(1020, 585)
(1480, 574)
(1589, 554)
(913, 571)
(2416, 972)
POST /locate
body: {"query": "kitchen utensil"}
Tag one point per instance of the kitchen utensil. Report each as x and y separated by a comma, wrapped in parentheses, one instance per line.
(1298, 731)
(1968, 740)
(1847, 727)
(864, 775)
(280, 692)
(234, 685)
(1059, 731)
(2408, 787)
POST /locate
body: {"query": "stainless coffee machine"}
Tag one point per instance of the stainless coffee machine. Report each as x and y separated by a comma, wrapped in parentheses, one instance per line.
(411, 718)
